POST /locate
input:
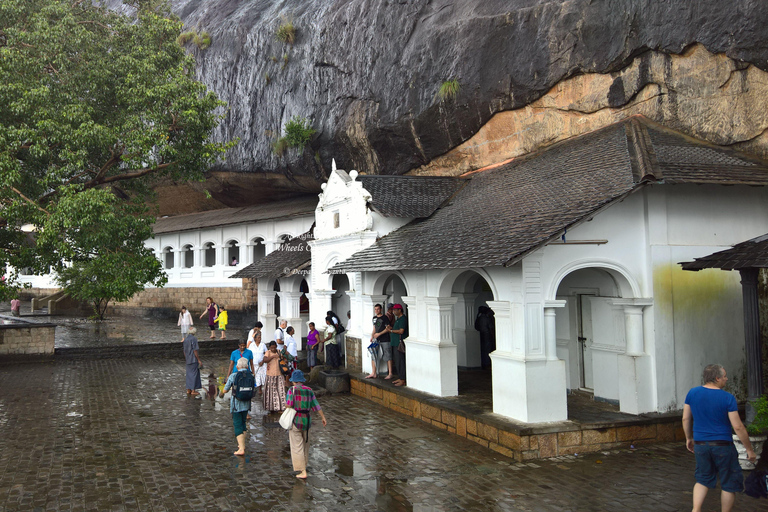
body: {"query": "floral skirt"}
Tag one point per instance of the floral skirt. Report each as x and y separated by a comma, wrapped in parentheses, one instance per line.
(274, 393)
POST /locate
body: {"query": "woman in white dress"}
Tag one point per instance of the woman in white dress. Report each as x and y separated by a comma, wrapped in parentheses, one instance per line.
(258, 348)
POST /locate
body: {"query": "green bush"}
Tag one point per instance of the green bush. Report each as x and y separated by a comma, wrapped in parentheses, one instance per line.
(759, 425)
(186, 37)
(449, 90)
(286, 32)
(298, 132)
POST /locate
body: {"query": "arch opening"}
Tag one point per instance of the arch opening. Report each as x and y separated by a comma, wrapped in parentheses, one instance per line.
(188, 258)
(209, 251)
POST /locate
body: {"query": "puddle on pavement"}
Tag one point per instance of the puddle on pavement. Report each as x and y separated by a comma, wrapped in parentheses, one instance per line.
(383, 492)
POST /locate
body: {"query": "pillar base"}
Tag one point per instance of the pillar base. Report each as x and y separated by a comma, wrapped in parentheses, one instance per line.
(432, 368)
(635, 391)
(529, 391)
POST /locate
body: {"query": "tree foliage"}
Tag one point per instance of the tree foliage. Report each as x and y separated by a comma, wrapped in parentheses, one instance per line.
(95, 107)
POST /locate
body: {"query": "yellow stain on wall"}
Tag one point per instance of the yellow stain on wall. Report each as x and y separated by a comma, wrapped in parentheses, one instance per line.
(694, 292)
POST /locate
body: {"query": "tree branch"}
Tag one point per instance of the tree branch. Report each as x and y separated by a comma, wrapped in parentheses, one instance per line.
(30, 201)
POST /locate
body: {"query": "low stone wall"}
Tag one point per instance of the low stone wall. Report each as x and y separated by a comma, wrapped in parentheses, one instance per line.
(172, 350)
(522, 443)
(234, 298)
(26, 341)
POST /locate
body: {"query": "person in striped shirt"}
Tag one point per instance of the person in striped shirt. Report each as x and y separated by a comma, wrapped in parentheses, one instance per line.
(301, 398)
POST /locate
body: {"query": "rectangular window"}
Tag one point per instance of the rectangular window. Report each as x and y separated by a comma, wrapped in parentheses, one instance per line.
(335, 220)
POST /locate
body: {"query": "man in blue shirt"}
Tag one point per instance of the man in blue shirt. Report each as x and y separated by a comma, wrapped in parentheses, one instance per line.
(708, 416)
(237, 354)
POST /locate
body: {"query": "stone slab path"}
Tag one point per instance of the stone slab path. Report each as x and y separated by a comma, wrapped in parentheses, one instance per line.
(117, 435)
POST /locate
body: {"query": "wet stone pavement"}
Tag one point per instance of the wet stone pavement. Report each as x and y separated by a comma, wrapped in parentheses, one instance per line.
(115, 435)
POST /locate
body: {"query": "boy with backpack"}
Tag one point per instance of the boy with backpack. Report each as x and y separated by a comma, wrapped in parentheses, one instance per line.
(242, 383)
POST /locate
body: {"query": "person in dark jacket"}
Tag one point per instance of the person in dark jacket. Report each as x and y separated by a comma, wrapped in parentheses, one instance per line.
(485, 323)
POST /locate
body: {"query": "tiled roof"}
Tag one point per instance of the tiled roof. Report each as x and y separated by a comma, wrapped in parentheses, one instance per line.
(409, 196)
(278, 210)
(504, 213)
(750, 254)
(291, 257)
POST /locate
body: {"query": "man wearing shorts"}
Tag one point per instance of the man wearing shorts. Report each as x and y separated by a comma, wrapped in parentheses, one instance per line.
(379, 336)
(708, 416)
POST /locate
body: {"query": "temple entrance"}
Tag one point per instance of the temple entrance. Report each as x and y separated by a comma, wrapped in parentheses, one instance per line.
(590, 332)
(474, 334)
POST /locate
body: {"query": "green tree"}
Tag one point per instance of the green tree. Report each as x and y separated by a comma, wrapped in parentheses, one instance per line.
(95, 108)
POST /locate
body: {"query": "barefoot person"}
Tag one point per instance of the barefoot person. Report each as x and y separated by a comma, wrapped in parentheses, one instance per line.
(238, 408)
(301, 398)
(379, 338)
(274, 386)
(193, 362)
(213, 311)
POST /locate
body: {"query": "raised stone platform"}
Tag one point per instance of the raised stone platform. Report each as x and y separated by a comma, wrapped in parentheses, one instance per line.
(523, 441)
(150, 350)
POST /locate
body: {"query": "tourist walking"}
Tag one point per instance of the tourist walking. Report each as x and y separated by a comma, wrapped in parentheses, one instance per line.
(274, 386)
(331, 345)
(213, 311)
(222, 318)
(280, 334)
(303, 400)
(709, 414)
(313, 343)
(185, 322)
(239, 352)
(379, 340)
(238, 408)
(192, 358)
(258, 348)
(397, 333)
(291, 348)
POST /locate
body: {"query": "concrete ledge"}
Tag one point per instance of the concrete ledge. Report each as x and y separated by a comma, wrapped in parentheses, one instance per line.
(520, 441)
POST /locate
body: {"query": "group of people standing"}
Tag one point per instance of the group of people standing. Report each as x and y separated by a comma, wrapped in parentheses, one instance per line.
(388, 342)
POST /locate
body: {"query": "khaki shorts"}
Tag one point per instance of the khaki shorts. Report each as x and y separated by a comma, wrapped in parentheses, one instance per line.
(386, 351)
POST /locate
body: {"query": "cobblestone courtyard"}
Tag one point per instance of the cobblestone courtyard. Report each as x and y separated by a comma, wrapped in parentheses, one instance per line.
(113, 435)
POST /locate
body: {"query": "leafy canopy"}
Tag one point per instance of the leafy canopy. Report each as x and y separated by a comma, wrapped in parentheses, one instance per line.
(95, 107)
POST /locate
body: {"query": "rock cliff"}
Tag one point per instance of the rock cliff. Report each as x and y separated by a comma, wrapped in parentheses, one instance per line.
(368, 74)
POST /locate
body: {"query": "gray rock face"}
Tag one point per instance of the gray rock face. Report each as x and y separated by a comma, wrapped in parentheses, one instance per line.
(367, 72)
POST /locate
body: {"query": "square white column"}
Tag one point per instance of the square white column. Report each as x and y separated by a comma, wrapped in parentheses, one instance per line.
(432, 364)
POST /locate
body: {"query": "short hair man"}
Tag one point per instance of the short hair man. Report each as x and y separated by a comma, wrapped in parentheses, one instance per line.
(280, 335)
(708, 415)
(380, 336)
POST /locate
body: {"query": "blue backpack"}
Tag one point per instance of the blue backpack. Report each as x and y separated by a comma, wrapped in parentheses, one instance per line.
(243, 386)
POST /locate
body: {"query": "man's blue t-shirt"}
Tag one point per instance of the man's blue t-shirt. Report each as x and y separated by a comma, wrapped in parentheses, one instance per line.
(710, 409)
(236, 355)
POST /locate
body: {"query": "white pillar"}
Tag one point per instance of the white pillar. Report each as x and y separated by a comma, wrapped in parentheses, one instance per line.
(550, 331)
(636, 386)
(431, 363)
(526, 388)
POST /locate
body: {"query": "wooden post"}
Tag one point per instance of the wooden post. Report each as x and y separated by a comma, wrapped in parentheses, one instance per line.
(752, 338)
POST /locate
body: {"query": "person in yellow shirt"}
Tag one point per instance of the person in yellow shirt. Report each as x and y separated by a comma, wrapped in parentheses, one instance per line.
(222, 319)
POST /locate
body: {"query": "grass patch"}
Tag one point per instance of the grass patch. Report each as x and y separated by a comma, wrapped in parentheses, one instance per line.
(280, 146)
(202, 40)
(286, 31)
(449, 90)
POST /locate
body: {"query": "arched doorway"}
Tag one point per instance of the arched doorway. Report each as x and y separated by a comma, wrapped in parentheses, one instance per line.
(394, 290)
(340, 298)
(475, 338)
(276, 289)
(590, 330)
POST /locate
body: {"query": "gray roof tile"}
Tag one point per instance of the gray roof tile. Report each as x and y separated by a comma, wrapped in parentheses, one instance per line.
(750, 254)
(505, 212)
(409, 196)
(290, 257)
(278, 210)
